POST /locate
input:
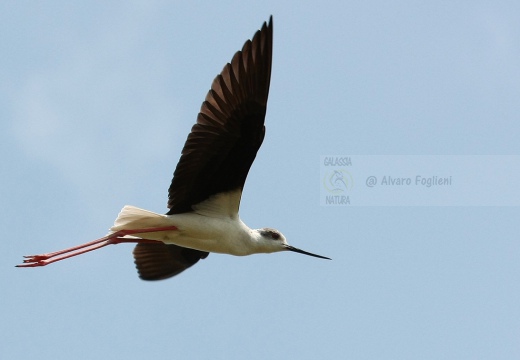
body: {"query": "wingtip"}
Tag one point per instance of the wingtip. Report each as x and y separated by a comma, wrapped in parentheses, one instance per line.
(268, 24)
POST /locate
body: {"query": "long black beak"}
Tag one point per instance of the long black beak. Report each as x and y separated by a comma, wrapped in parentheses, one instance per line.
(292, 248)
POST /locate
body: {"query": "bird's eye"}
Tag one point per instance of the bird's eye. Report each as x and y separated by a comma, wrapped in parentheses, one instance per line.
(275, 235)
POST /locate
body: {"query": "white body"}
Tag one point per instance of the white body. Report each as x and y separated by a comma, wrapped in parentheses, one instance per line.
(213, 226)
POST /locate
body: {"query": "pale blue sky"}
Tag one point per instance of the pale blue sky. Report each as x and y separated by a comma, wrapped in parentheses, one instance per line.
(97, 99)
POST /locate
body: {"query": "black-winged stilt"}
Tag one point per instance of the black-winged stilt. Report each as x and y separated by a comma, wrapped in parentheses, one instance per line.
(204, 195)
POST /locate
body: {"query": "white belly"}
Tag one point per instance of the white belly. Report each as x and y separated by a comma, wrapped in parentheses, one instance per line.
(221, 235)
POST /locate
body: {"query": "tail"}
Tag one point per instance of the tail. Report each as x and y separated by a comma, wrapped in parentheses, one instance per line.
(132, 217)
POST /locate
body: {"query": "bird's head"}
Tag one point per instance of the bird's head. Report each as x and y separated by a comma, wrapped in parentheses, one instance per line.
(271, 240)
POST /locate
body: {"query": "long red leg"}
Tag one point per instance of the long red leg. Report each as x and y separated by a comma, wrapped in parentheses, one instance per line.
(111, 239)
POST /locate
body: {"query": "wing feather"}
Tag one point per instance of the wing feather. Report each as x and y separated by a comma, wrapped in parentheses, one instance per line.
(229, 130)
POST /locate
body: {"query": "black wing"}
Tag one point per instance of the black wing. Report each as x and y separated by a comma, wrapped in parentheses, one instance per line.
(229, 130)
(219, 150)
(160, 261)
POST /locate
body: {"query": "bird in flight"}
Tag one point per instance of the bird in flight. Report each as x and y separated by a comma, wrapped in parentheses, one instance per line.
(204, 196)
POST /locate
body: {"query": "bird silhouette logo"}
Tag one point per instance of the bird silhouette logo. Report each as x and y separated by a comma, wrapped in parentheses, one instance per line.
(338, 181)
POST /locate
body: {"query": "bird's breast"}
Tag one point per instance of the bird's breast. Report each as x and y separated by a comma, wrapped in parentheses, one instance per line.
(204, 233)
